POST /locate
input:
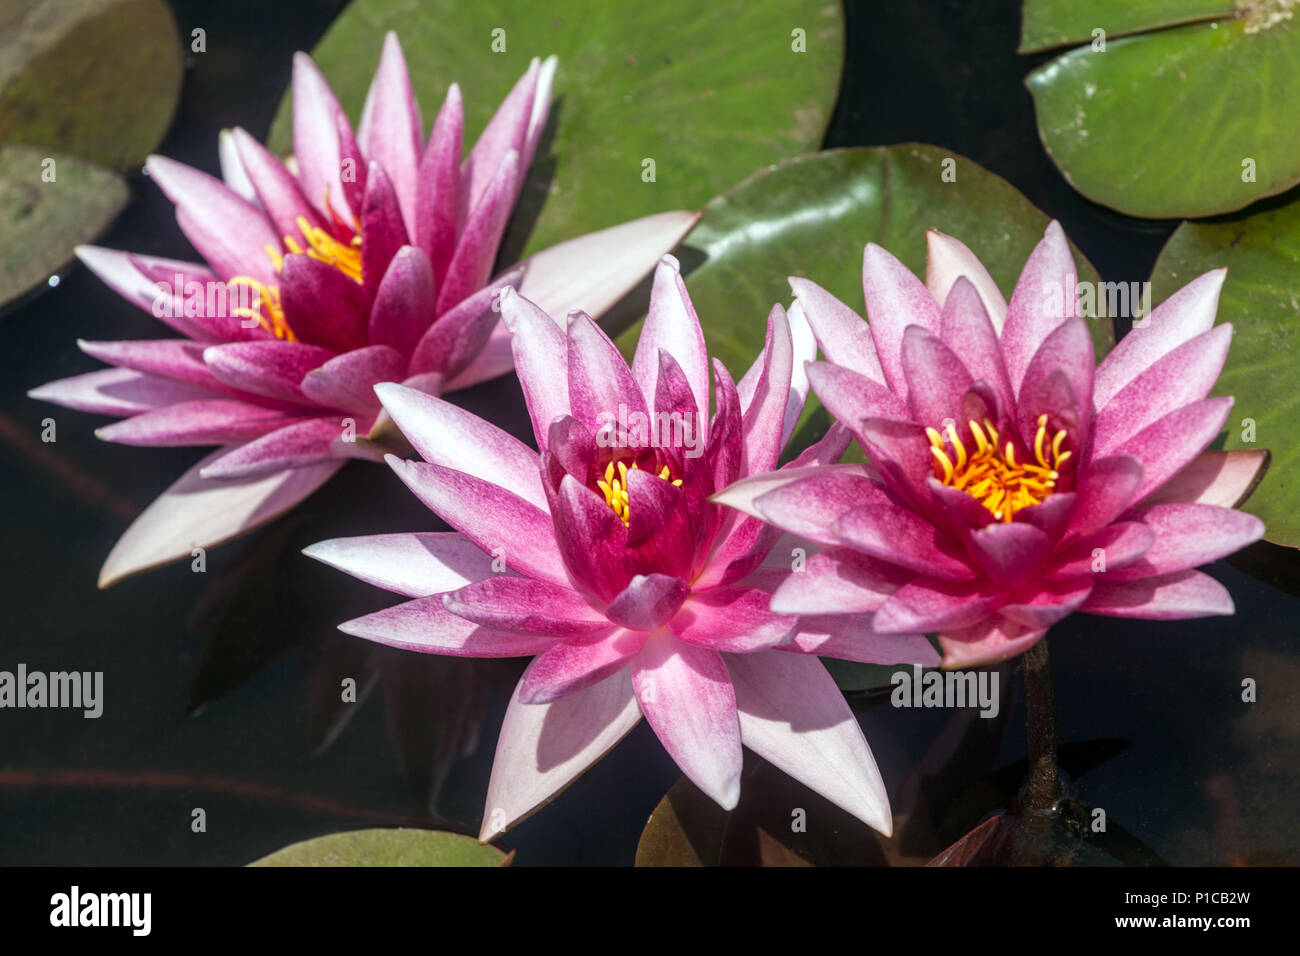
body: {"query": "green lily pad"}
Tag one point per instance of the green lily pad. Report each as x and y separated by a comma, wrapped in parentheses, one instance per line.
(1261, 297)
(97, 78)
(42, 221)
(83, 86)
(1163, 122)
(397, 847)
(1052, 23)
(812, 216)
(709, 92)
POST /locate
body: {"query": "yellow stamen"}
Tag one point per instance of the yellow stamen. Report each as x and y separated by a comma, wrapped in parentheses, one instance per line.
(614, 486)
(991, 474)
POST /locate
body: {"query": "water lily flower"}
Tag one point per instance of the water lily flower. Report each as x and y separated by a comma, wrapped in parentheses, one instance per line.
(368, 257)
(1011, 479)
(603, 559)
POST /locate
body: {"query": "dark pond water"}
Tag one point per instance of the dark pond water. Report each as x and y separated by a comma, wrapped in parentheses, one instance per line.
(219, 686)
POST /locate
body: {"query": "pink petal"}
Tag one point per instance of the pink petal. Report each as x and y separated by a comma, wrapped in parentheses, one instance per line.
(459, 338)
(176, 359)
(1041, 604)
(383, 232)
(1009, 551)
(544, 747)
(1103, 491)
(594, 271)
(731, 618)
(792, 715)
(576, 664)
(672, 325)
(928, 604)
(526, 606)
(686, 696)
(476, 249)
(498, 521)
(648, 601)
(1170, 597)
(895, 300)
(414, 564)
(119, 271)
(592, 539)
(811, 506)
(1189, 535)
(505, 133)
(389, 132)
(1170, 443)
(600, 383)
(348, 381)
(230, 232)
(540, 351)
(447, 435)
(1066, 351)
(1187, 313)
(842, 334)
(215, 421)
(293, 446)
(1119, 544)
(1044, 297)
(196, 513)
(116, 391)
(272, 369)
(322, 305)
(276, 187)
(948, 260)
(988, 642)
(838, 581)
(968, 329)
(426, 626)
(316, 115)
(232, 168)
(851, 637)
(438, 185)
(898, 536)
(937, 381)
(1182, 376)
(1224, 478)
(851, 397)
(764, 417)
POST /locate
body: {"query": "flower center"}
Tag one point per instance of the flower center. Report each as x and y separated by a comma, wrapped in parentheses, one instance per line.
(990, 473)
(321, 246)
(614, 486)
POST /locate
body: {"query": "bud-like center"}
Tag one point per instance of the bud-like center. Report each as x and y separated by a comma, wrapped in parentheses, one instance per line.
(989, 471)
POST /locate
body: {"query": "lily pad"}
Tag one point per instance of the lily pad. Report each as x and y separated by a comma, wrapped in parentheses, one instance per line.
(812, 216)
(98, 78)
(1161, 122)
(83, 86)
(708, 92)
(43, 220)
(1261, 297)
(396, 847)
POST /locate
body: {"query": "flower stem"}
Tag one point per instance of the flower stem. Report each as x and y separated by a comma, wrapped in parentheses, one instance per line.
(1044, 786)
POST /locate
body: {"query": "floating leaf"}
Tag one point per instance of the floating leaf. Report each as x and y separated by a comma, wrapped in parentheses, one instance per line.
(396, 847)
(812, 216)
(701, 93)
(1161, 123)
(1261, 298)
(42, 221)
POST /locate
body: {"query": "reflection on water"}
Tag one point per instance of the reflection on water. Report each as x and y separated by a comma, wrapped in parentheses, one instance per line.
(224, 690)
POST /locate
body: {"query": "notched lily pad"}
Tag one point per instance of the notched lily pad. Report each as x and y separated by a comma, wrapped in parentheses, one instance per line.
(1161, 122)
(396, 847)
(49, 203)
(812, 216)
(657, 106)
(1261, 298)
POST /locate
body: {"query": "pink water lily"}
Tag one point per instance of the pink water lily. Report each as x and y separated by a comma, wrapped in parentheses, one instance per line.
(1011, 479)
(366, 258)
(604, 560)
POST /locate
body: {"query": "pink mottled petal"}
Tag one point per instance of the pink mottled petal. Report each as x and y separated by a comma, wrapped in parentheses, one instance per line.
(1009, 551)
(600, 383)
(175, 359)
(1189, 535)
(403, 306)
(293, 446)
(1103, 491)
(928, 604)
(348, 381)
(383, 232)
(900, 452)
(648, 601)
(793, 716)
(316, 115)
(811, 506)
(497, 520)
(1223, 478)
(232, 233)
(592, 539)
(1187, 313)
(1103, 551)
(505, 133)
(322, 305)
(215, 421)
(461, 337)
(969, 331)
(838, 581)
(476, 249)
(1067, 351)
(988, 642)
(277, 189)
(540, 351)
(272, 369)
(438, 186)
(687, 698)
(1170, 597)
(764, 417)
(731, 618)
(389, 132)
(196, 513)
(850, 637)
(895, 299)
(126, 275)
(1182, 376)
(842, 334)
(544, 747)
(232, 168)
(851, 397)
(1041, 604)
(578, 663)
(426, 626)
(116, 391)
(949, 260)
(1044, 297)
(898, 536)
(1169, 444)
(413, 564)
(671, 325)
(937, 380)
(526, 606)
